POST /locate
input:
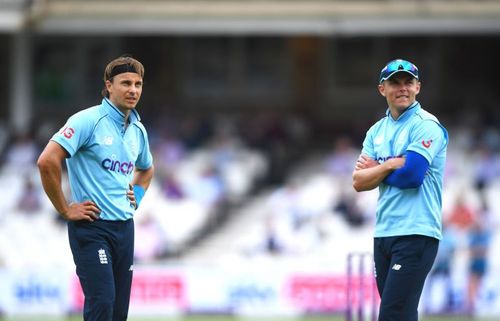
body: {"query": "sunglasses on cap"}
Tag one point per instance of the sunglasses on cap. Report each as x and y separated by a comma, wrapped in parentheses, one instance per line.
(395, 66)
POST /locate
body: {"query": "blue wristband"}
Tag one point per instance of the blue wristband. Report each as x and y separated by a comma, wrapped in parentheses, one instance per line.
(139, 192)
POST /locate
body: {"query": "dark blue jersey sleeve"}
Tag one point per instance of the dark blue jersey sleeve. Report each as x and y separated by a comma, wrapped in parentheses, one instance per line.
(412, 174)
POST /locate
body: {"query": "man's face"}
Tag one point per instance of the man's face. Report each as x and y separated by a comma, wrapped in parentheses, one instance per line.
(400, 90)
(125, 90)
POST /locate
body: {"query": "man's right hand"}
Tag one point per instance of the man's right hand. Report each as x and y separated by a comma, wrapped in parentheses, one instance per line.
(364, 161)
(85, 211)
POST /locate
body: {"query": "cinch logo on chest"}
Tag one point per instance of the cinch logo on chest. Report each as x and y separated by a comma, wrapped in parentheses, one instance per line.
(117, 166)
(381, 159)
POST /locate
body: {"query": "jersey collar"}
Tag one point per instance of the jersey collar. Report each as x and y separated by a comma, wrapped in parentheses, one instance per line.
(116, 114)
(407, 113)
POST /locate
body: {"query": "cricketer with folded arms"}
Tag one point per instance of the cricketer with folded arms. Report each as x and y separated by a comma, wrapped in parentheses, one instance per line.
(110, 167)
(404, 155)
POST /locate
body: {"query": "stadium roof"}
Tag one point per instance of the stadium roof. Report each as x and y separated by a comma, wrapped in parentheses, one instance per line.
(344, 17)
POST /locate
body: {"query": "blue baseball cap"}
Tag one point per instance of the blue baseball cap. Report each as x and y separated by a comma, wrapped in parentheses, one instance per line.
(395, 66)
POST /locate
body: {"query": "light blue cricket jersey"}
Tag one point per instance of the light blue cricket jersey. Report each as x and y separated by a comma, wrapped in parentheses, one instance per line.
(414, 210)
(104, 156)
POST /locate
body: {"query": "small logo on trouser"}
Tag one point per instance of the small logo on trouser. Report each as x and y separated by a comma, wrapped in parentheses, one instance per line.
(102, 256)
(396, 267)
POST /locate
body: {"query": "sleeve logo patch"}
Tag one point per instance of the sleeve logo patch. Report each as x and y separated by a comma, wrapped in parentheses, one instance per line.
(67, 132)
(427, 143)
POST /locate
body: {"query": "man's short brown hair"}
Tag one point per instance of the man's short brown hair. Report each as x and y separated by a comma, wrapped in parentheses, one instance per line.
(121, 64)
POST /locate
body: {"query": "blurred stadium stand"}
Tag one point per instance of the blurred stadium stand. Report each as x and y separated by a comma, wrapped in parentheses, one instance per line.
(256, 112)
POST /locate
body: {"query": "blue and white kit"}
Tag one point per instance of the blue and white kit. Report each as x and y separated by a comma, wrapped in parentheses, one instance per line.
(103, 156)
(414, 210)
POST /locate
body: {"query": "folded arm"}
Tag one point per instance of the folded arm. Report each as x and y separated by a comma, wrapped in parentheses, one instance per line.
(368, 173)
(412, 174)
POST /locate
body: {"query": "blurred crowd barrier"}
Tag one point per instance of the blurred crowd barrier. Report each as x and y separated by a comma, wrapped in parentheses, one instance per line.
(176, 290)
(238, 289)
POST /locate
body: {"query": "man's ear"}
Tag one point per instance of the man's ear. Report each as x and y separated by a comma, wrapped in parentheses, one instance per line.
(108, 85)
(418, 87)
(381, 89)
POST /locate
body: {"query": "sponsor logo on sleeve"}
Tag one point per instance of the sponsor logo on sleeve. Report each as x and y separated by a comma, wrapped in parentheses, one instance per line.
(67, 132)
(427, 143)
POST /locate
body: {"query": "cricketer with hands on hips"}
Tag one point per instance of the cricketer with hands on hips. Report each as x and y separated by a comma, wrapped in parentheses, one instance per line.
(110, 167)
